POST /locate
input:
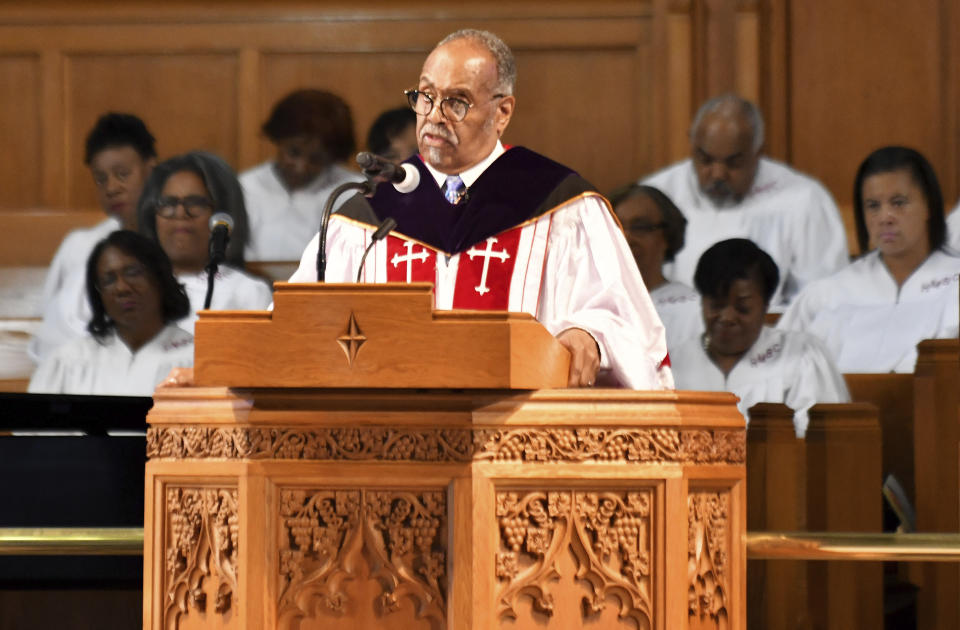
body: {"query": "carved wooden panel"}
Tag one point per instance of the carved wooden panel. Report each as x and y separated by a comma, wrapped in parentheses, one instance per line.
(200, 553)
(532, 444)
(20, 129)
(708, 570)
(610, 535)
(361, 557)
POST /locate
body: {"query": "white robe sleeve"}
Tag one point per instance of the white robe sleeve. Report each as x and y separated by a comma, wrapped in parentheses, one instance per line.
(816, 380)
(591, 282)
(821, 242)
(345, 245)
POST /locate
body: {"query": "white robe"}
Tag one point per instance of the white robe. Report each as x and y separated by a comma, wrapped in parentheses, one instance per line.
(589, 280)
(781, 367)
(66, 311)
(232, 290)
(953, 227)
(679, 309)
(281, 222)
(85, 366)
(868, 324)
(790, 216)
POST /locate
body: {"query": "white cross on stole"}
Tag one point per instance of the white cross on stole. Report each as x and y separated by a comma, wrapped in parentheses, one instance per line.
(409, 257)
(487, 254)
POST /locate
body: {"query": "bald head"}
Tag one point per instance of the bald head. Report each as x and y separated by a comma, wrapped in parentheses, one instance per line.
(726, 137)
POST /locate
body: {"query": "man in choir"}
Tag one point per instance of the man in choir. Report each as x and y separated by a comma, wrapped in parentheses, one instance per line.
(313, 133)
(120, 152)
(654, 228)
(133, 341)
(393, 135)
(501, 228)
(178, 200)
(873, 313)
(737, 353)
(727, 189)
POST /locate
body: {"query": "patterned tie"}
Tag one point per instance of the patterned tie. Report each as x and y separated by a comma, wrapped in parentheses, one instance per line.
(453, 190)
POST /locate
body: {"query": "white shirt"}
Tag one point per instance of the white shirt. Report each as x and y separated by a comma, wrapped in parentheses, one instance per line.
(66, 310)
(871, 325)
(233, 290)
(679, 309)
(85, 366)
(589, 280)
(790, 216)
(781, 367)
(283, 222)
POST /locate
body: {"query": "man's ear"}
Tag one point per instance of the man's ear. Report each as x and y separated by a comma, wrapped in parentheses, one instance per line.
(504, 113)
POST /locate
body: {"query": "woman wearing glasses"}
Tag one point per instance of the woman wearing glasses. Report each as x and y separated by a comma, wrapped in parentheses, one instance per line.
(178, 200)
(655, 229)
(313, 134)
(133, 339)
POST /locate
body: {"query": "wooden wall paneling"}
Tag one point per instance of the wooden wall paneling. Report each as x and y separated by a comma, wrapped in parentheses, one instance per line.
(53, 165)
(188, 100)
(863, 74)
(775, 76)
(680, 80)
(747, 66)
(20, 76)
(950, 97)
(249, 107)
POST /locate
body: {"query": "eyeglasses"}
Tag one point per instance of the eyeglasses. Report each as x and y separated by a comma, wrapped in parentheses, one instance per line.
(453, 109)
(643, 226)
(130, 274)
(193, 205)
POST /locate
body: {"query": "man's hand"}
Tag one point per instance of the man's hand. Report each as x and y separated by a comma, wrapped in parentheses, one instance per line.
(178, 377)
(584, 356)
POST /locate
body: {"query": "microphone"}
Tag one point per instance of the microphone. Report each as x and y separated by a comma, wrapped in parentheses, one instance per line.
(404, 177)
(221, 224)
(384, 229)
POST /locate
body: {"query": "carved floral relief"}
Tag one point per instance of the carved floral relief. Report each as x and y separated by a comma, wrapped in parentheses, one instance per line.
(708, 552)
(609, 534)
(202, 541)
(536, 444)
(326, 533)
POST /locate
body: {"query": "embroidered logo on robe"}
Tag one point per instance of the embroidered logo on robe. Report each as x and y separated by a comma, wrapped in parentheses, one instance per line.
(409, 261)
(485, 272)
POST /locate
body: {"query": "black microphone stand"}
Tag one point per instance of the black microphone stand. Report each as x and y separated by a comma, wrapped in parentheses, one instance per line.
(367, 187)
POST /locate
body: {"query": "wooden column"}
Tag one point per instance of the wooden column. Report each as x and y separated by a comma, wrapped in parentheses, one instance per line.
(776, 501)
(936, 440)
(844, 494)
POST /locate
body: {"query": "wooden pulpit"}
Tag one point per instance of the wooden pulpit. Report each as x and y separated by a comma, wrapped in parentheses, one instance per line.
(354, 459)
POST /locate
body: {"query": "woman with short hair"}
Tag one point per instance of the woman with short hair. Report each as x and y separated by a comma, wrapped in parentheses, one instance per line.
(133, 341)
(872, 315)
(738, 353)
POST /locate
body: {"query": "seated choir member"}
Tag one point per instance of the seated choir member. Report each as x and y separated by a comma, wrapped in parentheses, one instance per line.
(133, 340)
(175, 209)
(120, 152)
(654, 228)
(729, 189)
(393, 135)
(872, 314)
(737, 353)
(313, 133)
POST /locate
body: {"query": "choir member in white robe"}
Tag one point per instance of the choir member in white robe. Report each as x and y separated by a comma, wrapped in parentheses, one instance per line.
(873, 314)
(120, 152)
(738, 354)
(502, 229)
(313, 132)
(177, 204)
(133, 342)
(728, 190)
(655, 228)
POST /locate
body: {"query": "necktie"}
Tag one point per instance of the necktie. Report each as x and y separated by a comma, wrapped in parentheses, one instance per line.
(453, 189)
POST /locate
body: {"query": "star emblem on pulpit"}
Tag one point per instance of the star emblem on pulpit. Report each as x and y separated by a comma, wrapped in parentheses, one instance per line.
(351, 339)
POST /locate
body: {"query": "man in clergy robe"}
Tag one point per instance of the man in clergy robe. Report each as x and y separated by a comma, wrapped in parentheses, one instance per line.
(502, 228)
(728, 189)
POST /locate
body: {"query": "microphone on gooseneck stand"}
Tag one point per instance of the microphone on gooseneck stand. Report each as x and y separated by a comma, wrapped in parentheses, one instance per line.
(388, 224)
(404, 177)
(221, 224)
(367, 187)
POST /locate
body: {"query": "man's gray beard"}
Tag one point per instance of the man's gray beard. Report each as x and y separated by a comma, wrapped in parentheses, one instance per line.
(433, 155)
(727, 200)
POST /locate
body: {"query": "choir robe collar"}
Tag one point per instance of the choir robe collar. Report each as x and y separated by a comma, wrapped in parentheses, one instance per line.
(512, 190)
